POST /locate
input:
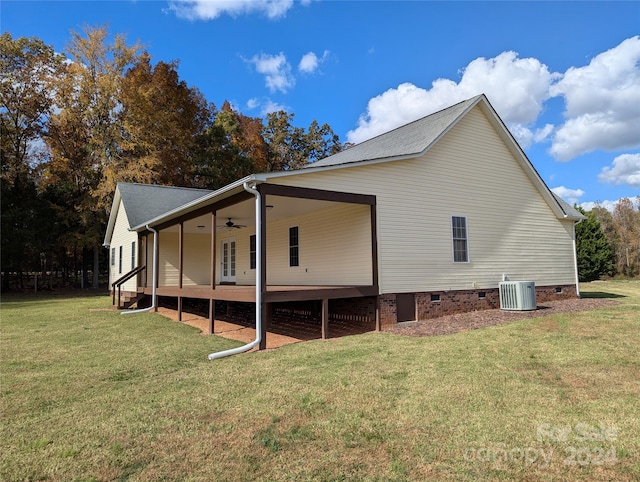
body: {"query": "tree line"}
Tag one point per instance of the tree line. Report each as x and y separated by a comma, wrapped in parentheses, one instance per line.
(608, 243)
(74, 124)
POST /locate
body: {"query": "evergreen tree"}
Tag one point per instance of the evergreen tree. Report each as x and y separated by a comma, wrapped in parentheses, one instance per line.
(595, 255)
(291, 147)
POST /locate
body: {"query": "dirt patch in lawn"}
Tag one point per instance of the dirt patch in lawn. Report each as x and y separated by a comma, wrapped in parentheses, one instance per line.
(473, 320)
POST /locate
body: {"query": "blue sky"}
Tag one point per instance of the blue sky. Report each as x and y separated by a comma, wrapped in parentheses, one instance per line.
(564, 76)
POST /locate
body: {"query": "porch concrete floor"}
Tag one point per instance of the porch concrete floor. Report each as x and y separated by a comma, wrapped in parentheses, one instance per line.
(281, 333)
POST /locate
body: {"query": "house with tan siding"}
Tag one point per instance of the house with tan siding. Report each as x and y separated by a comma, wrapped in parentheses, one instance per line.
(419, 222)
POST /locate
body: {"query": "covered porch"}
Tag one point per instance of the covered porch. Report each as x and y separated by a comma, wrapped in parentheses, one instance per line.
(314, 246)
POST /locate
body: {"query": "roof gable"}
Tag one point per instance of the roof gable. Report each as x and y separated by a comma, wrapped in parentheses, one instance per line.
(147, 201)
(409, 140)
(416, 138)
(143, 202)
(156, 204)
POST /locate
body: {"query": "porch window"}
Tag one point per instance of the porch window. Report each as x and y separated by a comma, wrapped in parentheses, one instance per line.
(113, 256)
(460, 244)
(120, 261)
(252, 251)
(294, 247)
(133, 255)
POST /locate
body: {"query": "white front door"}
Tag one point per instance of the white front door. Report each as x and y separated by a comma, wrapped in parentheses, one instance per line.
(228, 261)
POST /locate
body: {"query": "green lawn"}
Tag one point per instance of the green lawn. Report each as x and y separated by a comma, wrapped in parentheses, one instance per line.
(92, 395)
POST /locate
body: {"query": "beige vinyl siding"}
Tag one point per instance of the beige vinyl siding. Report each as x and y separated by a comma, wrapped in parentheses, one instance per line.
(335, 249)
(122, 237)
(168, 258)
(196, 259)
(470, 172)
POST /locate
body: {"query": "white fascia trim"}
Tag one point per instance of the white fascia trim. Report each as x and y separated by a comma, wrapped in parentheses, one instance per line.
(112, 218)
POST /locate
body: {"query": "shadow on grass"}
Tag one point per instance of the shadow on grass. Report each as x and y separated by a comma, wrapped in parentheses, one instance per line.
(20, 297)
(600, 294)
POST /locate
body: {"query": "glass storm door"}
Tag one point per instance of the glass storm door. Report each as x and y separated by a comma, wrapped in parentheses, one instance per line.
(228, 261)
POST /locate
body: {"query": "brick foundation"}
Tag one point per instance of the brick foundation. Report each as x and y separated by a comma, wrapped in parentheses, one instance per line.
(388, 313)
(363, 310)
(434, 304)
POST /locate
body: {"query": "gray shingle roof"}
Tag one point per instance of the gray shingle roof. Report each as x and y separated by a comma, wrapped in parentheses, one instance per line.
(407, 140)
(144, 202)
(568, 209)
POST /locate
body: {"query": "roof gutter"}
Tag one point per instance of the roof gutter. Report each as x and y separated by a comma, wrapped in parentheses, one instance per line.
(234, 351)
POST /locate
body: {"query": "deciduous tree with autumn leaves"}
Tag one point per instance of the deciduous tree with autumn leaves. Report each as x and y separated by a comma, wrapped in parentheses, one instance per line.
(76, 124)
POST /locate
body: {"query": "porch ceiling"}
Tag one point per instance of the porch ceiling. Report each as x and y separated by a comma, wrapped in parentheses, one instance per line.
(243, 213)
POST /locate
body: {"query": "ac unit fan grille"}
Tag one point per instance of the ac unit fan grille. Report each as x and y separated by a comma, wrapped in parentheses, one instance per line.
(517, 295)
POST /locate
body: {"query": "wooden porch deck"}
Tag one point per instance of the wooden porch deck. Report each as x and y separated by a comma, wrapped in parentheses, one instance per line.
(273, 293)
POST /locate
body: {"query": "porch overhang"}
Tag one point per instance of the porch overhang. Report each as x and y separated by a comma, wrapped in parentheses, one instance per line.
(201, 216)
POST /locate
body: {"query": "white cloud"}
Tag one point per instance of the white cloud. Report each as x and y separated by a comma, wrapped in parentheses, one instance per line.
(602, 102)
(270, 106)
(569, 195)
(523, 134)
(276, 69)
(543, 134)
(608, 205)
(624, 170)
(310, 62)
(265, 106)
(212, 9)
(516, 88)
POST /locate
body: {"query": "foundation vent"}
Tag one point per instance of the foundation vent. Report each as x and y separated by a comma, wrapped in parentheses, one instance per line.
(517, 295)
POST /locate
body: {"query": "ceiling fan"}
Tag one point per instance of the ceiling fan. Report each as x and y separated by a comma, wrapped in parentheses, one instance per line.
(231, 225)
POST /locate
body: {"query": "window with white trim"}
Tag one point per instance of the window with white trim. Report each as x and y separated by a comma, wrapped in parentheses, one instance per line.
(294, 246)
(460, 240)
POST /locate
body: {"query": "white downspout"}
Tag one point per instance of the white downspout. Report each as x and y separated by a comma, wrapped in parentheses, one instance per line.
(253, 344)
(575, 257)
(153, 278)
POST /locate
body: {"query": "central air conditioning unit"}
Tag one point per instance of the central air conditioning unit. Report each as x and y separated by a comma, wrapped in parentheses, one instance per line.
(517, 295)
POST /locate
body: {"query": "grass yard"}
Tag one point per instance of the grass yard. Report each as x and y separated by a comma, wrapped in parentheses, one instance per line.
(92, 395)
